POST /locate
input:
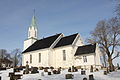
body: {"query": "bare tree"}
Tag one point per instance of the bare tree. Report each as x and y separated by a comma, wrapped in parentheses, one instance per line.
(4, 55)
(117, 7)
(107, 35)
(16, 55)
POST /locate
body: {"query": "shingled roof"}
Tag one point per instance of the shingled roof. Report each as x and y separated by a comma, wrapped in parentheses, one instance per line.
(66, 40)
(85, 49)
(42, 43)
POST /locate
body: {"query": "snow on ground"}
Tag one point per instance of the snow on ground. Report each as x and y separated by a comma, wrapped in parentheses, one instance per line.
(97, 75)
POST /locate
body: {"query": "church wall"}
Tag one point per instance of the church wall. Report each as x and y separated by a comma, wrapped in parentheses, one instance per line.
(78, 41)
(59, 57)
(28, 43)
(79, 61)
(35, 58)
(32, 32)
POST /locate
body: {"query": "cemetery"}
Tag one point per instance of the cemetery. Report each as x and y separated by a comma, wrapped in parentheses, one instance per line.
(50, 73)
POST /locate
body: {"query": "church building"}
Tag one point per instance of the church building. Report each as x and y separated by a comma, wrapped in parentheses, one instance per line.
(58, 50)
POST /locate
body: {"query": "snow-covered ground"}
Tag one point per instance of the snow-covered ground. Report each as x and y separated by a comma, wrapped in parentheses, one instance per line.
(77, 75)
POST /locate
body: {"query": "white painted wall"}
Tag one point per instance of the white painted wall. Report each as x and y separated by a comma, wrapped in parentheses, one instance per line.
(58, 53)
(28, 43)
(35, 58)
(90, 60)
(32, 32)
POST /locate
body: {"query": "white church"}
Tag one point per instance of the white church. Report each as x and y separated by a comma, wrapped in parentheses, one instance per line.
(58, 50)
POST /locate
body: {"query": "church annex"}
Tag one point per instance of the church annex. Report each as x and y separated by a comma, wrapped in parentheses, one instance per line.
(58, 50)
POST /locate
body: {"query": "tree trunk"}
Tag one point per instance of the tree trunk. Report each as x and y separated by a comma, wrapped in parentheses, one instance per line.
(111, 66)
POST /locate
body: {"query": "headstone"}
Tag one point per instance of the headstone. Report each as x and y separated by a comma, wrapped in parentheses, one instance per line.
(59, 69)
(58, 72)
(0, 77)
(69, 70)
(91, 77)
(51, 68)
(41, 68)
(49, 73)
(75, 69)
(84, 78)
(69, 76)
(83, 72)
(72, 69)
(34, 70)
(105, 72)
(11, 74)
(42, 73)
(54, 72)
(45, 70)
(91, 68)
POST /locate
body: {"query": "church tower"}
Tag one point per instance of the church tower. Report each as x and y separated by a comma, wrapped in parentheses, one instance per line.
(32, 34)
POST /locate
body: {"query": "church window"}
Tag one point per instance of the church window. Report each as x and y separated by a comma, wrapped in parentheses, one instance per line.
(35, 33)
(64, 55)
(30, 58)
(39, 57)
(84, 58)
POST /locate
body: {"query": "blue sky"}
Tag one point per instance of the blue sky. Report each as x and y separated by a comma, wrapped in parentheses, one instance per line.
(53, 16)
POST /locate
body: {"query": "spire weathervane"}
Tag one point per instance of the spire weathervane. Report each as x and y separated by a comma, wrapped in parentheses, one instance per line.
(34, 12)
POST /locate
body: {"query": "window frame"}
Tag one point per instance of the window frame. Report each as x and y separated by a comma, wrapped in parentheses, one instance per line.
(85, 59)
(64, 55)
(39, 57)
(30, 58)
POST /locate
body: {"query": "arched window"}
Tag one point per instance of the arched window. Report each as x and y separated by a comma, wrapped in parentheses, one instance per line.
(30, 58)
(64, 55)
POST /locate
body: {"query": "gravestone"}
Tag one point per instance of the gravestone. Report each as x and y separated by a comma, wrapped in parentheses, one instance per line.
(49, 73)
(45, 70)
(91, 68)
(72, 70)
(59, 69)
(69, 76)
(75, 69)
(84, 78)
(11, 74)
(42, 73)
(91, 77)
(34, 70)
(41, 68)
(69, 70)
(105, 72)
(54, 72)
(51, 68)
(83, 72)
(0, 78)
(58, 72)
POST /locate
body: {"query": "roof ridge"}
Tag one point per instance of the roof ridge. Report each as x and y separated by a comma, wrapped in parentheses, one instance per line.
(51, 36)
(71, 35)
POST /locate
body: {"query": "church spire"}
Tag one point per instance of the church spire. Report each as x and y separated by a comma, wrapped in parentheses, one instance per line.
(32, 32)
(33, 23)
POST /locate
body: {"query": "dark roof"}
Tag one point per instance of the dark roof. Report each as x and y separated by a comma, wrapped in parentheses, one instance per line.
(66, 40)
(85, 49)
(42, 43)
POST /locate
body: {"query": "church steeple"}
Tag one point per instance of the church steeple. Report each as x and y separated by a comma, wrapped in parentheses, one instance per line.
(32, 31)
(33, 23)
